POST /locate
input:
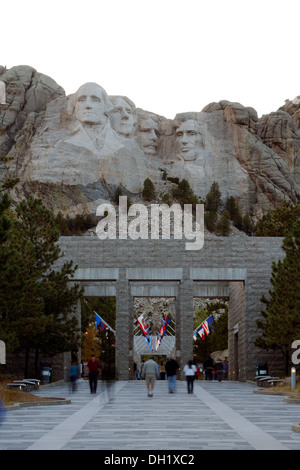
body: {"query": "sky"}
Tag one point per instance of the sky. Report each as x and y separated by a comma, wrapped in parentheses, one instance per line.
(167, 56)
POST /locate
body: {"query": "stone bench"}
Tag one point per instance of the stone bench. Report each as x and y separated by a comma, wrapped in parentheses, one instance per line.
(20, 386)
(268, 381)
(36, 382)
(29, 385)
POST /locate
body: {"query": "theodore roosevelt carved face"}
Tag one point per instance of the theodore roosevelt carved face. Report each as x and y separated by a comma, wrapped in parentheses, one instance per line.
(148, 136)
(188, 140)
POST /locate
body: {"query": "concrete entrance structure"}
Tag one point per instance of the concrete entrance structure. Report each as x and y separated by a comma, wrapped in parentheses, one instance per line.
(235, 267)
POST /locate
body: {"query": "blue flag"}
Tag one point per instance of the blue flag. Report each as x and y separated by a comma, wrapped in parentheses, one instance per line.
(100, 324)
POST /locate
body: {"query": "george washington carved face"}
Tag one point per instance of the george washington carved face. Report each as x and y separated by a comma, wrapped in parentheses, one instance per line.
(91, 105)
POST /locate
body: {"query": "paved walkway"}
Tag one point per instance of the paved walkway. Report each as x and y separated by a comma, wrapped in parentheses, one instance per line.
(226, 415)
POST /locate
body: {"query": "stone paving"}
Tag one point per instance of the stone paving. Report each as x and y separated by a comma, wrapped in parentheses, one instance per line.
(226, 415)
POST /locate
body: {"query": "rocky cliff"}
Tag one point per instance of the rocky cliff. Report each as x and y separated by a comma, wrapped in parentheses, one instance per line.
(74, 151)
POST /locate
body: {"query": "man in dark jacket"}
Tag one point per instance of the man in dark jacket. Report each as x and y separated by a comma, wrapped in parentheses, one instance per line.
(171, 370)
(208, 365)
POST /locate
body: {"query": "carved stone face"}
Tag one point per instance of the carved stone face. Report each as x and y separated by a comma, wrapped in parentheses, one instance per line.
(15, 93)
(91, 105)
(148, 136)
(122, 117)
(188, 139)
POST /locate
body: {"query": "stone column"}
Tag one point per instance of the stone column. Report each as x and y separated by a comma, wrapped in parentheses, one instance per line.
(66, 357)
(122, 326)
(236, 331)
(185, 323)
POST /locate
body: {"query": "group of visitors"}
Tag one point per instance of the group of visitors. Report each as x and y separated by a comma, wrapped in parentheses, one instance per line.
(217, 370)
(212, 369)
(150, 372)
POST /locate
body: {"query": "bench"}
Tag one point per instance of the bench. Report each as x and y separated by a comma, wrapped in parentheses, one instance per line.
(29, 385)
(259, 378)
(268, 381)
(35, 382)
(20, 386)
(275, 381)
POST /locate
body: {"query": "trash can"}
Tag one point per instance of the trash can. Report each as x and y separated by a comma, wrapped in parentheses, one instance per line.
(262, 369)
(45, 372)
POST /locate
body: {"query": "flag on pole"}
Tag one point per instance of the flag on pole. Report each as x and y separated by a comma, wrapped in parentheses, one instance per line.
(201, 333)
(101, 324)
(149, 342)
(143, 325)
(204, 328)
(210, 321)
(162, 331)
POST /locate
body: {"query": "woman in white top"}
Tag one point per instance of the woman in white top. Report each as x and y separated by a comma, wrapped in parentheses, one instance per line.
(190, 370)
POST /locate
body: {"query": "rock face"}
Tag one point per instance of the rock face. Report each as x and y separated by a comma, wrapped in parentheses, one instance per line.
(74, 151)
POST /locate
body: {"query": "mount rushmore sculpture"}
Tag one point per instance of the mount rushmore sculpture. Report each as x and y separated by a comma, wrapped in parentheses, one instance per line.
(74, 151)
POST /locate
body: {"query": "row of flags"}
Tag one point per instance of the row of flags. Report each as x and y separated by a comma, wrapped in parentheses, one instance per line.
(203, 329)
(159, 335)
(101, 325)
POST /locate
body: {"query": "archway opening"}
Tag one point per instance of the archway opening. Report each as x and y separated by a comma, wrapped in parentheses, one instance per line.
(210, 332)
(98, 318)
(154, 330)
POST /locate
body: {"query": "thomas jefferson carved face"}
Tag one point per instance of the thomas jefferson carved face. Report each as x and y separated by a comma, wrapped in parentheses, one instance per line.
(122, 117)
(91, 105)
(188, 139)
(148, 136)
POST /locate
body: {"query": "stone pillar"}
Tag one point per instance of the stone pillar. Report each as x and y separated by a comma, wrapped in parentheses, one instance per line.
(236, 332)
(122, 326)
(66, 357)
(184, 338)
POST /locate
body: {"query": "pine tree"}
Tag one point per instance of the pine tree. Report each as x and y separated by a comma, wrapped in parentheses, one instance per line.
(281, 318)
(149, 190)
(278, 222)
(184, 194)
(36, 301)
(213, 198)
(223, 226)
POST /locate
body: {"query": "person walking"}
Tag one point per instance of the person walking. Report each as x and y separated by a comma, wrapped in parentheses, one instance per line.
(208, 365)
(219, 370)
(93, 369)
(225, 368)
(73, 375)
(150, 373)
(189, 371)
(171, 367)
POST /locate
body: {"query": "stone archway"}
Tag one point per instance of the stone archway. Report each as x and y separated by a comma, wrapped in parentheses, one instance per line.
(129, 268)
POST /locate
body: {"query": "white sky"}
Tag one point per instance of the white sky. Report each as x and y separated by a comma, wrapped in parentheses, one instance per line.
(168, 56)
